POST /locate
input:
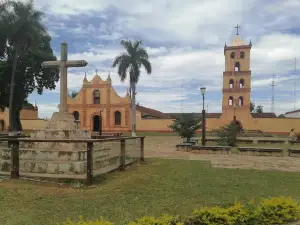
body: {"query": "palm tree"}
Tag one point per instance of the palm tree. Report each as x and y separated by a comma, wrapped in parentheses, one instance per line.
(72, 94)
(21, 28)
(131, 62)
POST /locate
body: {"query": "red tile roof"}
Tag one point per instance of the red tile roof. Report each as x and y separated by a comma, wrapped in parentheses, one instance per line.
(151, 112)
(263, 115)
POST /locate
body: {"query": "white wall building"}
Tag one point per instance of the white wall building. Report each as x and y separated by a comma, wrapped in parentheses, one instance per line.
(293, 114)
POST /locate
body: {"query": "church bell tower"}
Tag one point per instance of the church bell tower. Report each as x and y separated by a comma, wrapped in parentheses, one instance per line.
(237, 78)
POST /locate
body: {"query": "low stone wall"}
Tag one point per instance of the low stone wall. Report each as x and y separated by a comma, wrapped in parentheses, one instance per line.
(225, 150)
(261, 151)
(258, 140)
(294, 153)
(185, 147)
(106, 156)
(190, 147)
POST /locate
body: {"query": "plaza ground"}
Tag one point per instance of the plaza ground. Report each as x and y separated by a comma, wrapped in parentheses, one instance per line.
(169, 182)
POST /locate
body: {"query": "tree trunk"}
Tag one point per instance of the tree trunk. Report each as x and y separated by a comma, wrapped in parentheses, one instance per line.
(12, 125)
(133, 109)
(18, 119)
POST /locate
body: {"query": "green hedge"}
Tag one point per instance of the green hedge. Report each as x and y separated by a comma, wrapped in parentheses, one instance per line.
(277, 210)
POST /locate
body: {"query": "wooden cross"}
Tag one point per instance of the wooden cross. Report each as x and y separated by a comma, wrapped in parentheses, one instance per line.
(63, 65)
(237, 29)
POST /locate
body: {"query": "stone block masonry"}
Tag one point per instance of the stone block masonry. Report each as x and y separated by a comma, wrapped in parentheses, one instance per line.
(35, 158)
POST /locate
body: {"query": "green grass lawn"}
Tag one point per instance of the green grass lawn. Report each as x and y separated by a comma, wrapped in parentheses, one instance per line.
(159, 186)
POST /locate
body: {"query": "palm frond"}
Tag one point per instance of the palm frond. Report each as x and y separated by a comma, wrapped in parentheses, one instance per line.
(137, 44)
(119, 59)
(147, 65)
(128, 46)
(142, 53)
(123, 68)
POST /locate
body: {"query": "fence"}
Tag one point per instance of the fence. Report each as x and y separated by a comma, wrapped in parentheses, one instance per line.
(66, 158)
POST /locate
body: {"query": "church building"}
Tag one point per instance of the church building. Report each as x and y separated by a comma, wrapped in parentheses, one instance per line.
(97, 100)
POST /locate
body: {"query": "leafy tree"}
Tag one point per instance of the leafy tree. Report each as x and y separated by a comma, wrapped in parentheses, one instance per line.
(73, 94)
(185, 126)
(24, 46)
(21, 33)
(259, 109)
(27, 104)
(131, 62)
(227, 135)
(252, 106)
(281, 116)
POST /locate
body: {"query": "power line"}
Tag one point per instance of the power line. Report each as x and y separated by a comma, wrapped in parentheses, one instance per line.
(273, 99)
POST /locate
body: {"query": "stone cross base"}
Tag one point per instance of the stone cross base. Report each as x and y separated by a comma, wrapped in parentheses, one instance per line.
(62, 121)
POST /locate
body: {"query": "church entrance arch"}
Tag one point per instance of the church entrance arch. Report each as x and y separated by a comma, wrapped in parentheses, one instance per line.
(96, 123)
(76, 115)
(2, 125)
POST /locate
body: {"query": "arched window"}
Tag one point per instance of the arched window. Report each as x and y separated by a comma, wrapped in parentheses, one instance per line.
(242, 83)
(230, 101)
(96, 96)
(241, 100)
(237, 66)
(232, 55)
(231, 83)
(117, 118)
(242, 55)
(76, 115)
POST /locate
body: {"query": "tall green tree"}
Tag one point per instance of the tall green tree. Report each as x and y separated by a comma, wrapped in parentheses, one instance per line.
(131, 62)
(21, 31)
(259, 109)
(252, 106)
(25, 45)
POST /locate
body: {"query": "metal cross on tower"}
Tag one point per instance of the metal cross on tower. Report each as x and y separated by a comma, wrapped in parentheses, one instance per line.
(237, 29)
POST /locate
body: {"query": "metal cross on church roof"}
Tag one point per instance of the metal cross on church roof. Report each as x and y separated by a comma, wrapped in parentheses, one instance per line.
(237, 29)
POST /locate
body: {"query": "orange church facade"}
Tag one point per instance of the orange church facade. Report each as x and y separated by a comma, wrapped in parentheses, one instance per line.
(97, 100)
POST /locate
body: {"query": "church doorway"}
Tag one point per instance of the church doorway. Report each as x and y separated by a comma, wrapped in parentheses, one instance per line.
(96, 123)
(76, 115)
(1, 125)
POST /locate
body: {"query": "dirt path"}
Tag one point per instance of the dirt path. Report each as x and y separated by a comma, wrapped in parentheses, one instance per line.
(164, 147)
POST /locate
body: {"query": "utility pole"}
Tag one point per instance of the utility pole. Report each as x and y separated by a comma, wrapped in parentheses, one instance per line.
(273, 99)
(181, 97)
(295, 85)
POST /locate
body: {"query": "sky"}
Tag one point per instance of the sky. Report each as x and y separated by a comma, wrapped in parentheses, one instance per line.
(185, 41)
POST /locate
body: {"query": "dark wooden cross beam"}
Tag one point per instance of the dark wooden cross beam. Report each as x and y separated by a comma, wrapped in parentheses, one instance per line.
(237, 29)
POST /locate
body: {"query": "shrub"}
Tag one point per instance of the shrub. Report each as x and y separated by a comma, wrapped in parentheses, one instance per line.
(185, 126)
(227, 135)
(163, 220)
(209, 216)
(81, 221)
(279, 210)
